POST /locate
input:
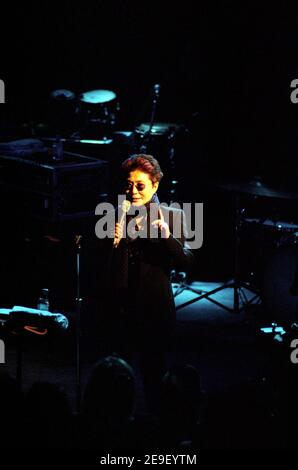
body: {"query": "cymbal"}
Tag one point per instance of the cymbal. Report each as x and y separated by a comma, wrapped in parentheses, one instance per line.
(258, 188)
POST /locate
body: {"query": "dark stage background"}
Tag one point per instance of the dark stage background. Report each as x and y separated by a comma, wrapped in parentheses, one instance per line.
(224, 71)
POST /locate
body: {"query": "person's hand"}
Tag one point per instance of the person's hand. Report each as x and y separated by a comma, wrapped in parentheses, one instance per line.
(161, 225)
(118, 233)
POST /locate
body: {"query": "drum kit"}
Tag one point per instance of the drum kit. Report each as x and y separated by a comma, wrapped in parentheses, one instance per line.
(277, 245)
(93, 117)
(276, 288)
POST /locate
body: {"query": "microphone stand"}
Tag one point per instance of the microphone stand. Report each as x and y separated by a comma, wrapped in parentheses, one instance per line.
(147, 134)
(78, 324)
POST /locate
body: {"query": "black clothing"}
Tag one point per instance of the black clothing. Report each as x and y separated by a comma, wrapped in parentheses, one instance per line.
(140, 304)
(140, 276)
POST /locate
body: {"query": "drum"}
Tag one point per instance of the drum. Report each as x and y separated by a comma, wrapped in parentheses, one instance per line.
(166, 142)
(98, 111)
(280, 287)
(163, 142)
(160, 141)
(260, 240)
(279, 226)
(158, 128)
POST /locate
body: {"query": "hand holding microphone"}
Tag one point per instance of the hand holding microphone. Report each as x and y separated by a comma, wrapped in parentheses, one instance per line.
(118, 234)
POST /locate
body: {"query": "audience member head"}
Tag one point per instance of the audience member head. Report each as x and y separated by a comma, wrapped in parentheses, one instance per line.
(181, 394)
(110, 391)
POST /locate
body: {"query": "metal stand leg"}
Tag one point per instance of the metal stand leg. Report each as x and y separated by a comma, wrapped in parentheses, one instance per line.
(78, 326)
(235, 283)
(19, 365)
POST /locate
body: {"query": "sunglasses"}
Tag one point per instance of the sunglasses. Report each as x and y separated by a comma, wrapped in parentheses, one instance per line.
(139, 186)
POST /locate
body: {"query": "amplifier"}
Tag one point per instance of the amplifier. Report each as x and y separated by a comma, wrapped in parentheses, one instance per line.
(42, 188)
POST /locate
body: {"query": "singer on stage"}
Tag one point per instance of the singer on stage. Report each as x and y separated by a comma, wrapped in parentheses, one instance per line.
(140, 299)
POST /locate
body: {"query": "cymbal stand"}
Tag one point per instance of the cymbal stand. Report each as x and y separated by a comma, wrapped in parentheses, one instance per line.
(238, 286)
(236, 283)
(147, 135)
(78, 324)
(172, 165)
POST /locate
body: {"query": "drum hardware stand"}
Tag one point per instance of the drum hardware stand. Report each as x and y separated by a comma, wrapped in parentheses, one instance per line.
(235, 283)
(171, 156)
(78, 323)
(183, 285)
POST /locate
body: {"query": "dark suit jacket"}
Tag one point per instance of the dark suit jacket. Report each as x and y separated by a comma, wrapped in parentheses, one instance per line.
(151, 307)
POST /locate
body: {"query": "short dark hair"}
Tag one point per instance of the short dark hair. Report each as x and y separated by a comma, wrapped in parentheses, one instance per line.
(146, 163)
(110, 389)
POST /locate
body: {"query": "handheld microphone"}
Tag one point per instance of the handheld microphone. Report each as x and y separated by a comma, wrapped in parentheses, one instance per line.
(125, 206)
(77, 241)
